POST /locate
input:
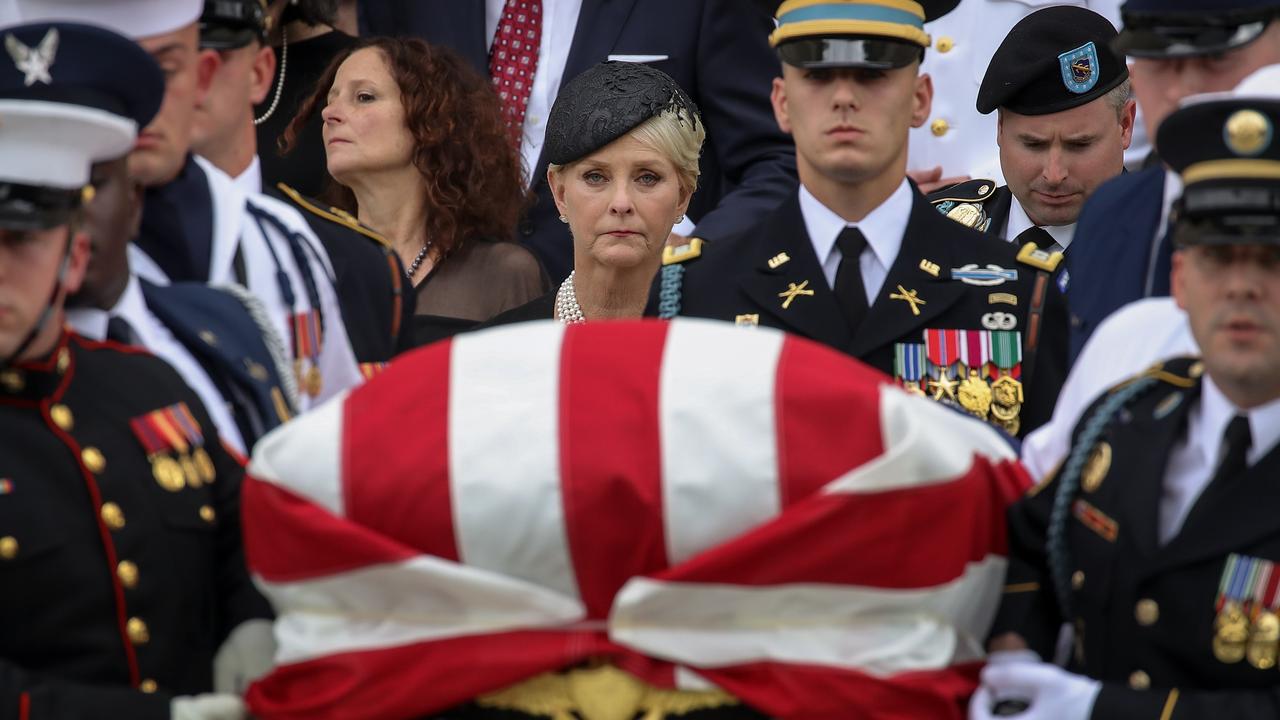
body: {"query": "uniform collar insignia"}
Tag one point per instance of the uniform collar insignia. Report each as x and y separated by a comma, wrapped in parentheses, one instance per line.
(33, 62)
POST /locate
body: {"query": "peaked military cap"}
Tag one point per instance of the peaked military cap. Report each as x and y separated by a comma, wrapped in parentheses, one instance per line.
(608, 101)
(1053, 60)
(1180, 28)
(876, 34)
(229, 24)
(134, 19)
(70, 95)
(1226, 150)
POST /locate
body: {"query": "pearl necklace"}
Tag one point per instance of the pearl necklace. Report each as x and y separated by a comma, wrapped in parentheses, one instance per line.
(284, 65)
(568, 312)
(418, 260)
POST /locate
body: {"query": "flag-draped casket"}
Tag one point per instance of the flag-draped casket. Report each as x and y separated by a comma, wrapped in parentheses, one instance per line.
(697, 504)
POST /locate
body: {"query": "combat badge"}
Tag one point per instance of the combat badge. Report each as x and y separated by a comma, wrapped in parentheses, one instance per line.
(989, 276)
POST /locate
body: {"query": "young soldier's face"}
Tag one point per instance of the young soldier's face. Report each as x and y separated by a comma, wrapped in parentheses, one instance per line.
(850, 124)
(1231, 294)
(29, 265)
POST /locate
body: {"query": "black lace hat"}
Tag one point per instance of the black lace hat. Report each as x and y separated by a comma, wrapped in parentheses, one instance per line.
(606, 102)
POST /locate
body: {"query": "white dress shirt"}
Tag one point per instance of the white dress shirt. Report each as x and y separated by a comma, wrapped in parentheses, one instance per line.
(1196, 456)
(250, 181)
(1125, 344)
(156, 338)
(883, 227)
(1019, 221)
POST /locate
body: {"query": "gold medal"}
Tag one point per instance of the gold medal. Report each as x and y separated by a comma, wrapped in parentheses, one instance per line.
(314, 381)
(1263, 638)
(1231, 633)
(1096, 467)
(913, 388)
(204, 464)
(189, 470)
(167, 472)
(975, 395)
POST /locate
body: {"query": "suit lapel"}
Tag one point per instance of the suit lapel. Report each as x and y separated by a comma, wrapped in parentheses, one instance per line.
(815, 316)
(1137, 478)
(890, 319)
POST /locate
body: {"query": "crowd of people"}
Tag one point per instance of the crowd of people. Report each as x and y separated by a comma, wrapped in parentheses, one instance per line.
(606, 359)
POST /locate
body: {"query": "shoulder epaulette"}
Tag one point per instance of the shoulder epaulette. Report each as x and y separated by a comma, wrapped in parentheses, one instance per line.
(682, 253)
(1183, 372)
(332, 214)
(1032, 255)
(969, 191)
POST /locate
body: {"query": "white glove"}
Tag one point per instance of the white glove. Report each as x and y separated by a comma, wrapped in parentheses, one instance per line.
(208, 707)
(1053, 693)
(247, 654)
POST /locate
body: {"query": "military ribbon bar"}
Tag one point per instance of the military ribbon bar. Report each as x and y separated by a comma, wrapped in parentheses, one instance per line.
(942, 346)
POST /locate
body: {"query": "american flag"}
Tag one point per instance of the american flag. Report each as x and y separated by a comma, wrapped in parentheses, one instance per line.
(698, 504)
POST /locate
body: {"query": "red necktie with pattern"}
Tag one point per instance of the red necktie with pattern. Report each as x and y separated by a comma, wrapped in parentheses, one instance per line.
(513, 60)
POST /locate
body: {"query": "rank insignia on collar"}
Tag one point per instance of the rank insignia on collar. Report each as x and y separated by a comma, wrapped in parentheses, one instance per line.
(794, 291)
(989, 276)
(910, 297)
(33, 62)
(681, 253)
(1080, 68)
(778, 260)
(930, 267)
(1032, 255)
(747, 320)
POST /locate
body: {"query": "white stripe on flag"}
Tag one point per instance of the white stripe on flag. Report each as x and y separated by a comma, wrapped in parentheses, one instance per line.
(309, 448)
(715, 426)
(872, 630)
(419, 599)
(504, 466)
(925, 443)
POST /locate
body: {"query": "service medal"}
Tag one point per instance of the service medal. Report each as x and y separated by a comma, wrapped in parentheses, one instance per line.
(975, 395)
(1231, 633)
(314, 381)
(1263, 638)
(1006, 403)
(190, 471)
(168, 473)
(204, 464)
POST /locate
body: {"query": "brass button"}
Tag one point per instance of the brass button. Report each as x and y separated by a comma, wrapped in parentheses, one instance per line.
(112, 515)
(208, 337)
(8, 547)
(93, 459)
(945, 44)
(62, 417)
(1139, 680)
(12, 381)
(137, 630)
(1077, 580)
(939, 127)
(207, 514)
(1196, 370)
(1147, 611)
(64, 360)
(148, 686)
(128, 574)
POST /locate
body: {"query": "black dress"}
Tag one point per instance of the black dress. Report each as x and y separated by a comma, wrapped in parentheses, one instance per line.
(478, 281)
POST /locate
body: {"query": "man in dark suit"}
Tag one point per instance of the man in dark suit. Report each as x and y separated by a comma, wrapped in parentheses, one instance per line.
(714, 49)
(1177, 50)
(1157, 540)
(858, 258)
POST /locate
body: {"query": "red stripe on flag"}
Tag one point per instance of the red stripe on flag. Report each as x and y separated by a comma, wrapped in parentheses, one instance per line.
(396, 427)
(611, 457)
(827, 417)
(912, 538)
(287, 538)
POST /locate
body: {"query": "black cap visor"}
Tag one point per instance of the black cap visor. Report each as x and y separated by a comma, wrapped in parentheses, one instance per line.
(849, 52)
(227, 37)
(1173, 36)
(30, 207)
(1228, 214)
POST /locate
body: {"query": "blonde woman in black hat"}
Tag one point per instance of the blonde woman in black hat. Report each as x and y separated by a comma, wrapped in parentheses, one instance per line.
(623, 140)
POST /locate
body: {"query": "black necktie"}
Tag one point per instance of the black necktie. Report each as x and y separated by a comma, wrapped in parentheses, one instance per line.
(850, 292)
(1235, 444)
(1037, 235)
(119, 330)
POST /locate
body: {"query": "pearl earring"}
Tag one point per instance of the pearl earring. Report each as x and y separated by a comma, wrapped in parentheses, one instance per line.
(679, 218)
(564, 219)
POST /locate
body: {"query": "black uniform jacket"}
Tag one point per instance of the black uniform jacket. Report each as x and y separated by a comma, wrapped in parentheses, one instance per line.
(118, 588)
(745, 278)
(1144, 613)
(978, 204)
(375, 296)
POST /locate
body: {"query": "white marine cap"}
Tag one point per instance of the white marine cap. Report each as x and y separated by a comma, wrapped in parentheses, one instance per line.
(136, 19)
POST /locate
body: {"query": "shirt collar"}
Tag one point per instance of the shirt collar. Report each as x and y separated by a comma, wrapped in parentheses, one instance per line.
(1216, 411)
(1019, 222)
(250, 181)
(883, 227)
(92, 322)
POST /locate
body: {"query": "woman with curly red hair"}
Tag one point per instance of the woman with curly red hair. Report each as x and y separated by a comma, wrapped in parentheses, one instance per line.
(415, 140)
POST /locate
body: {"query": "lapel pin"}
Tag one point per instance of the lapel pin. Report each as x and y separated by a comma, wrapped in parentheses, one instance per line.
(910, 297)
(778, 260)
(792, 292)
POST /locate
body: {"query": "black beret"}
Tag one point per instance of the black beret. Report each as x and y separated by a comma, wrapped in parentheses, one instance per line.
(1227, 154)
(229, 24)
(606, 102)
(1053, 60)
(1181, 28)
